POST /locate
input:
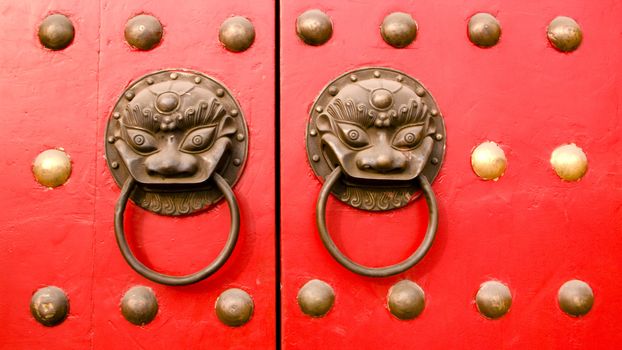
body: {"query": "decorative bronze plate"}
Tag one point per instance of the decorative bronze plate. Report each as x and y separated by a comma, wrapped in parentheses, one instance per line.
(171, 130)
(383, 128)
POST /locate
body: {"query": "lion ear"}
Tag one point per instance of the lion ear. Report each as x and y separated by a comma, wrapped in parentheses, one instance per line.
(324, 123)
(227, 127)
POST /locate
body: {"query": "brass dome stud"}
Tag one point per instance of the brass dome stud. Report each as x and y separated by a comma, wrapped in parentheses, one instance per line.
(493, 299)
(564, 33)
(236, 34)
(56, 32)
(314, 27)
(316, 298)
(484, 30)
(139, 305)
(234, 307)
(575, 298)
(49, 306)
(398, 29)
(569, 162)
(488, 161)
(52, 168)
(143, 32)
(406, 300)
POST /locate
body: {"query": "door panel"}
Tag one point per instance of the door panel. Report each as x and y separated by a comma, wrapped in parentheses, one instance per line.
(65, 236)
(529, 229)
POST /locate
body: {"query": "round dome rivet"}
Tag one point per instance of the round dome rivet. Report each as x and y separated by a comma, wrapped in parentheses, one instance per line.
(174, 76)
(315, 158)
(406, 300)
(52, 168)
(234, 307)
(488, 161)
(197, 80)
(237, 161)
(420, 91)
(143, 32)
(149, 81)
(116, 115)
(333, 90)
(236, 34)
(139, 305)
(434, 160)
(484, 30)
(316, 298)
(220, 92)
(353, 77)
(314, 27)
(129, 95)
(438, 137)
(239, 137)
(111, 139)
(313, 132)
(56, 32)
(234, 112)
(493, 299)
(49, 306)
(575, 298)
(398, 29)
(569, 162)
(376, 74)
(564, 34)
(114, 165)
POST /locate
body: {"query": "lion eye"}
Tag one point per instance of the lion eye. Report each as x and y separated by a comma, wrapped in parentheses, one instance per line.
(141, 140)
(198, 140)
(408, 137)
(353, 135)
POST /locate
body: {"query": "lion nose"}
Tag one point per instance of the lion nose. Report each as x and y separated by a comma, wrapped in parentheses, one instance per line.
(381, 161)
(171, 163)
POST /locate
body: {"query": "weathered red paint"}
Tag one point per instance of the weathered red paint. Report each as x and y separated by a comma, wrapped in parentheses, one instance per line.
(529, 230)
(65, 236)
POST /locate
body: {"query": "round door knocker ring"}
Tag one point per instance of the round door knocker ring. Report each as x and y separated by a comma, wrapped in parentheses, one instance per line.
(176, 142)
(377, 137)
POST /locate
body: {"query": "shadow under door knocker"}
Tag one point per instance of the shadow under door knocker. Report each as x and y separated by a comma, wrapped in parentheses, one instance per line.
(377, 138)
(176, 142)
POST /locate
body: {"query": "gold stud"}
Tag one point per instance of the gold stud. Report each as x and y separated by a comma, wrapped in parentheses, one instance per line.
(143, 32)
(56, 32)
(484, 30)
(52, 168)
(234, 307)
(139, 305)
(314, 27)
(237, 34)
(569, 162)
(398, 29)
(575, 298)
(493, 299)
(564, 33)
(488, 161)
(316, 298)
(49, 306)
(406, 300)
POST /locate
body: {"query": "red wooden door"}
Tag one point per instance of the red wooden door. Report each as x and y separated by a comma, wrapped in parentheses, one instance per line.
(529, 230)
(65, 237)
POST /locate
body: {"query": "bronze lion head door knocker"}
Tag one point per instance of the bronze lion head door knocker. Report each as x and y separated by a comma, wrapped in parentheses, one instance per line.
(377, 138)
(176, 143)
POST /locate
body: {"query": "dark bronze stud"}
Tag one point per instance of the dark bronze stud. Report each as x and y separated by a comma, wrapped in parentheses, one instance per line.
(139, 305)
(143, 32)
(239, 137)
(234, 113)
(493, 299)
(333, 90)
(406, 300)
(565, 34)
(237, 34)
(114, 165)
(398, 29)
(56, 32)
(315, 158)
(49, 306)
(234, 307)
(314, 27)
(484, 30)
(316, 298)
(52, 168)
(575, 298)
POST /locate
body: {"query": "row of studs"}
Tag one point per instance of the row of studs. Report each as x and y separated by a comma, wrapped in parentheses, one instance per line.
(50, 306)
(489, 163)
(406, 300)
(399, 30)
(144, 32)
(52, 168)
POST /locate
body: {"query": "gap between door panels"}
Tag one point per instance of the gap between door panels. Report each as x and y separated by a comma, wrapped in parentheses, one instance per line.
(277, 165)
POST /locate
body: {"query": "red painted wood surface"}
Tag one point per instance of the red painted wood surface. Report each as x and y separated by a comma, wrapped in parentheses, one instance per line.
(529, 230)
(65, 236)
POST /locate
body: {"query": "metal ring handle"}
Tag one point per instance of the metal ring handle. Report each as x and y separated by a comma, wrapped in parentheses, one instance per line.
(161, 278)
(376, 271)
